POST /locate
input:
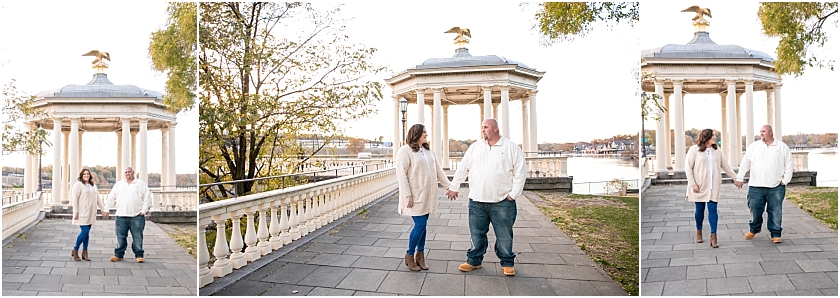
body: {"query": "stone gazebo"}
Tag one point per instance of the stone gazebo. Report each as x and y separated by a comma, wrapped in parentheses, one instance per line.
(704, 67)
(100, 106)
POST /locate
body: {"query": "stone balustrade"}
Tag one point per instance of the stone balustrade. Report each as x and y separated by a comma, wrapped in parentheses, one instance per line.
(800, 161)
(282, 216)
(19, 213)
(162, 200)
(542, 166)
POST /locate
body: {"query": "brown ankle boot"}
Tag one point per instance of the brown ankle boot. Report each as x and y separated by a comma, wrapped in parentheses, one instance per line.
(699, 236)
(85, 255)
(713, 240)
(75, 254)
(421, 260)
(412, 265)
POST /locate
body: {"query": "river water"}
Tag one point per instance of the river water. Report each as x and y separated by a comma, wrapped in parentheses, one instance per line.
(825, 163)
(591, 172)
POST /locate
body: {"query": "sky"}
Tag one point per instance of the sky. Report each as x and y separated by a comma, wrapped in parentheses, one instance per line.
(803, 99)
(44, 53)
(587, 91)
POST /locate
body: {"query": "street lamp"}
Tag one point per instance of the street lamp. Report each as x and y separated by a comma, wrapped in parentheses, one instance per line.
(40, 153)
(644, 149)
(403, 109)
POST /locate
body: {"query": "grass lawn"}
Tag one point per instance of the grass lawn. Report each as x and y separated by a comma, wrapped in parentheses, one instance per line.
(607, 228)
(819, 202)
(183, 234)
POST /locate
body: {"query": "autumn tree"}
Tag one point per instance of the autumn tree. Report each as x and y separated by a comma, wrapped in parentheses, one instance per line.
(563, 21)
(800, 29)
(268, 73)
(173, 51)
(828, 139)
(17, 107)
(355, 145)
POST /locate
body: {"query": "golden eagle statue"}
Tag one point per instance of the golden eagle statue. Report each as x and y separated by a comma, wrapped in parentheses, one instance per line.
(460, 31)
(700, 12)
(99, 55)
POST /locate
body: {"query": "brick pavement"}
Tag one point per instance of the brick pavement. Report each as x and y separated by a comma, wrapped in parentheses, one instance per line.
(39, 263)
(364, 256)
(805, 263)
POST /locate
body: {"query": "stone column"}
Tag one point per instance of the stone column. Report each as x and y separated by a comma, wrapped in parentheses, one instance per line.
(724, 132)
(661, 158)
(437, 138)
(769, 105)
(134, 152)
(526, 144)
(748, 89)
(81, 146)
(481, 122)
(738, 130)
(445, 159)
(679, 128)
(532, 122)
(397, 126)
(118, 172)
(142, 153)
(430, 128)
(65, 168)
(126, 143)
(34, 178)
(421, 105)
(74, 147)
(668, 142)
(732, 124)
(164, 155)
(57, 163)
(488, 102)
(27, 166)
(777, 115)
(505, 117)
(173, 175)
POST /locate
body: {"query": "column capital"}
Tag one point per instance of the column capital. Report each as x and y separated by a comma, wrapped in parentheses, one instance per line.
(749, 82)
(777, 86)
(420, 90)
(533, 92)
(396, 97)
(74, 119)
(143, 120)
(677, 81)
(731, 82)
(437, 89)
(172, 124)
(487, 88)
(505, 87)
(124, 119)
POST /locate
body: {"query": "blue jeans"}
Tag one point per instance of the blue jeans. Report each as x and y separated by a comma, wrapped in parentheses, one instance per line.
(502, 215)
(760, 197)
(135, 225)
(417, 238)
(713, 215)
(83, 238)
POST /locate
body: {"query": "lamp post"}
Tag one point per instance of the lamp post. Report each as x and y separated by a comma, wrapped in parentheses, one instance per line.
(40, 153)
(403, 109)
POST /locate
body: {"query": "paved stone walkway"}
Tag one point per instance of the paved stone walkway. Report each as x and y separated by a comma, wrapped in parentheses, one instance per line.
(364, 256)
(805, 263)
(39, 263)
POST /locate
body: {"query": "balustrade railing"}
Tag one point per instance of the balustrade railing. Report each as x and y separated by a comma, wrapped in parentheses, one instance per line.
(184, 199)
(541, 166)
(19, 213)
(800, 162)
(277, 218)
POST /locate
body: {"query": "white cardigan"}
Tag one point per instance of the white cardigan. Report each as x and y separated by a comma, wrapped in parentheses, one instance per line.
(419, 181)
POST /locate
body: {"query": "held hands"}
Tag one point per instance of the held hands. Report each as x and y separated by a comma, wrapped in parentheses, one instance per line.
(695, 188)
(410, 203)
(739, 184)
(451, 194)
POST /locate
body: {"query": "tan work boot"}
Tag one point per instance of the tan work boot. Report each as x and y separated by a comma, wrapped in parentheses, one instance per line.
(750, 235)
(115, 259)
(421, 260)
(75, 254)
(466, 267)
(412, 265)
(699, 236)
(777, 239)
(509, 271)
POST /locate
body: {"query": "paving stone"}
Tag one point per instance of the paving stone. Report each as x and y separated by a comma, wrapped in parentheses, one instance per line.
(693, 261)
(330, 292)
(325, 276)
(807, 292)
(816, 265)
(408, 283)
(696, 287)
(289, 273)
(476, 285)
(377, 263)
(287, 290)
(651, 288)
(170, 291)
(327, 248)
(75, 279)
(829, 292)
(104, 280)
(726, 286)
(529, 287)
(40, 287)
(443, 285)
(705, 271)
(576, 272)
(371, 251)
(564, 287)
(666, 274)
(334, 260)
(80, 288)
(363, 279)
(743, 269)
(815, 280)
(768, 283)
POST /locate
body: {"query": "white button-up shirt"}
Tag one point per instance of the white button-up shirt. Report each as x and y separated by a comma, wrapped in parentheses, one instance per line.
(495, 172)
(130, 198)
(769, 165)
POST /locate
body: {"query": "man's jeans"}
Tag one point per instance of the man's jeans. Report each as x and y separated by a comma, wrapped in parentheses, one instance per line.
(502, 215)
(772, 198)
(135, 225)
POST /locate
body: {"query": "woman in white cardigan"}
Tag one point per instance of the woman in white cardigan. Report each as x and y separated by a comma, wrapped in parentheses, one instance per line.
(703, 165)
(418, 174)
(85, 198)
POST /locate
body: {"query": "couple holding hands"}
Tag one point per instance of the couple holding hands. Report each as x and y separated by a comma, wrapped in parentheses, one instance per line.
(496, 170)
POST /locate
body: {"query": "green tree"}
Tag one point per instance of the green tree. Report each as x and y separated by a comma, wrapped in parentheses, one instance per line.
(17, 107)
(563, 21)
(799, 25)
(173, 51)
(269, 74)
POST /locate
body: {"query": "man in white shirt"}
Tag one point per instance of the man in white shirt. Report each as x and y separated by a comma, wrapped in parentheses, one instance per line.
(132, 199)
(496, 168)
(771, 167)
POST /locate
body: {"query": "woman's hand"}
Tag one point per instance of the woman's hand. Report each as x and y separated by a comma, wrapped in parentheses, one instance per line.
(695, 188)
(410, 203)
(76, 216)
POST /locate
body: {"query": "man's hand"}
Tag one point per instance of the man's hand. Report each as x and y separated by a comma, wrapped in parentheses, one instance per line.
(143, 214)
(76, 216)
(410, 203)
(105, 214)
(695, 188)
(509, 198)
(451, 194)
(739, 184)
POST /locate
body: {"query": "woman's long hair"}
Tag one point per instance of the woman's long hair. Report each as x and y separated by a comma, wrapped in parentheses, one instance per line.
(414, 134)
(82, 173)
(704, 138)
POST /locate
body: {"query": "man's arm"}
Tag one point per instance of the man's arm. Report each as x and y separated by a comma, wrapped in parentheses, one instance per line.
(788, 166)
(111, 200)
(462, 171)
(147, 199)
(520, 172)
(745, 164)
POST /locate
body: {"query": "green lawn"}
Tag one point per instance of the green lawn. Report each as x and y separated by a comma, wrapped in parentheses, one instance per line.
(606, 228)
(819, 202)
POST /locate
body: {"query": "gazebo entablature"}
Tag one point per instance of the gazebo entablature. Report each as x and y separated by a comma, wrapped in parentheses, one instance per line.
(97, 116)
(700, 77)
(464, 85)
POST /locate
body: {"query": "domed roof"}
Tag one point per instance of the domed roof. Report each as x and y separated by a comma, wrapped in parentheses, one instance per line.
(463, 58)
(703, 47)
(100, 87)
